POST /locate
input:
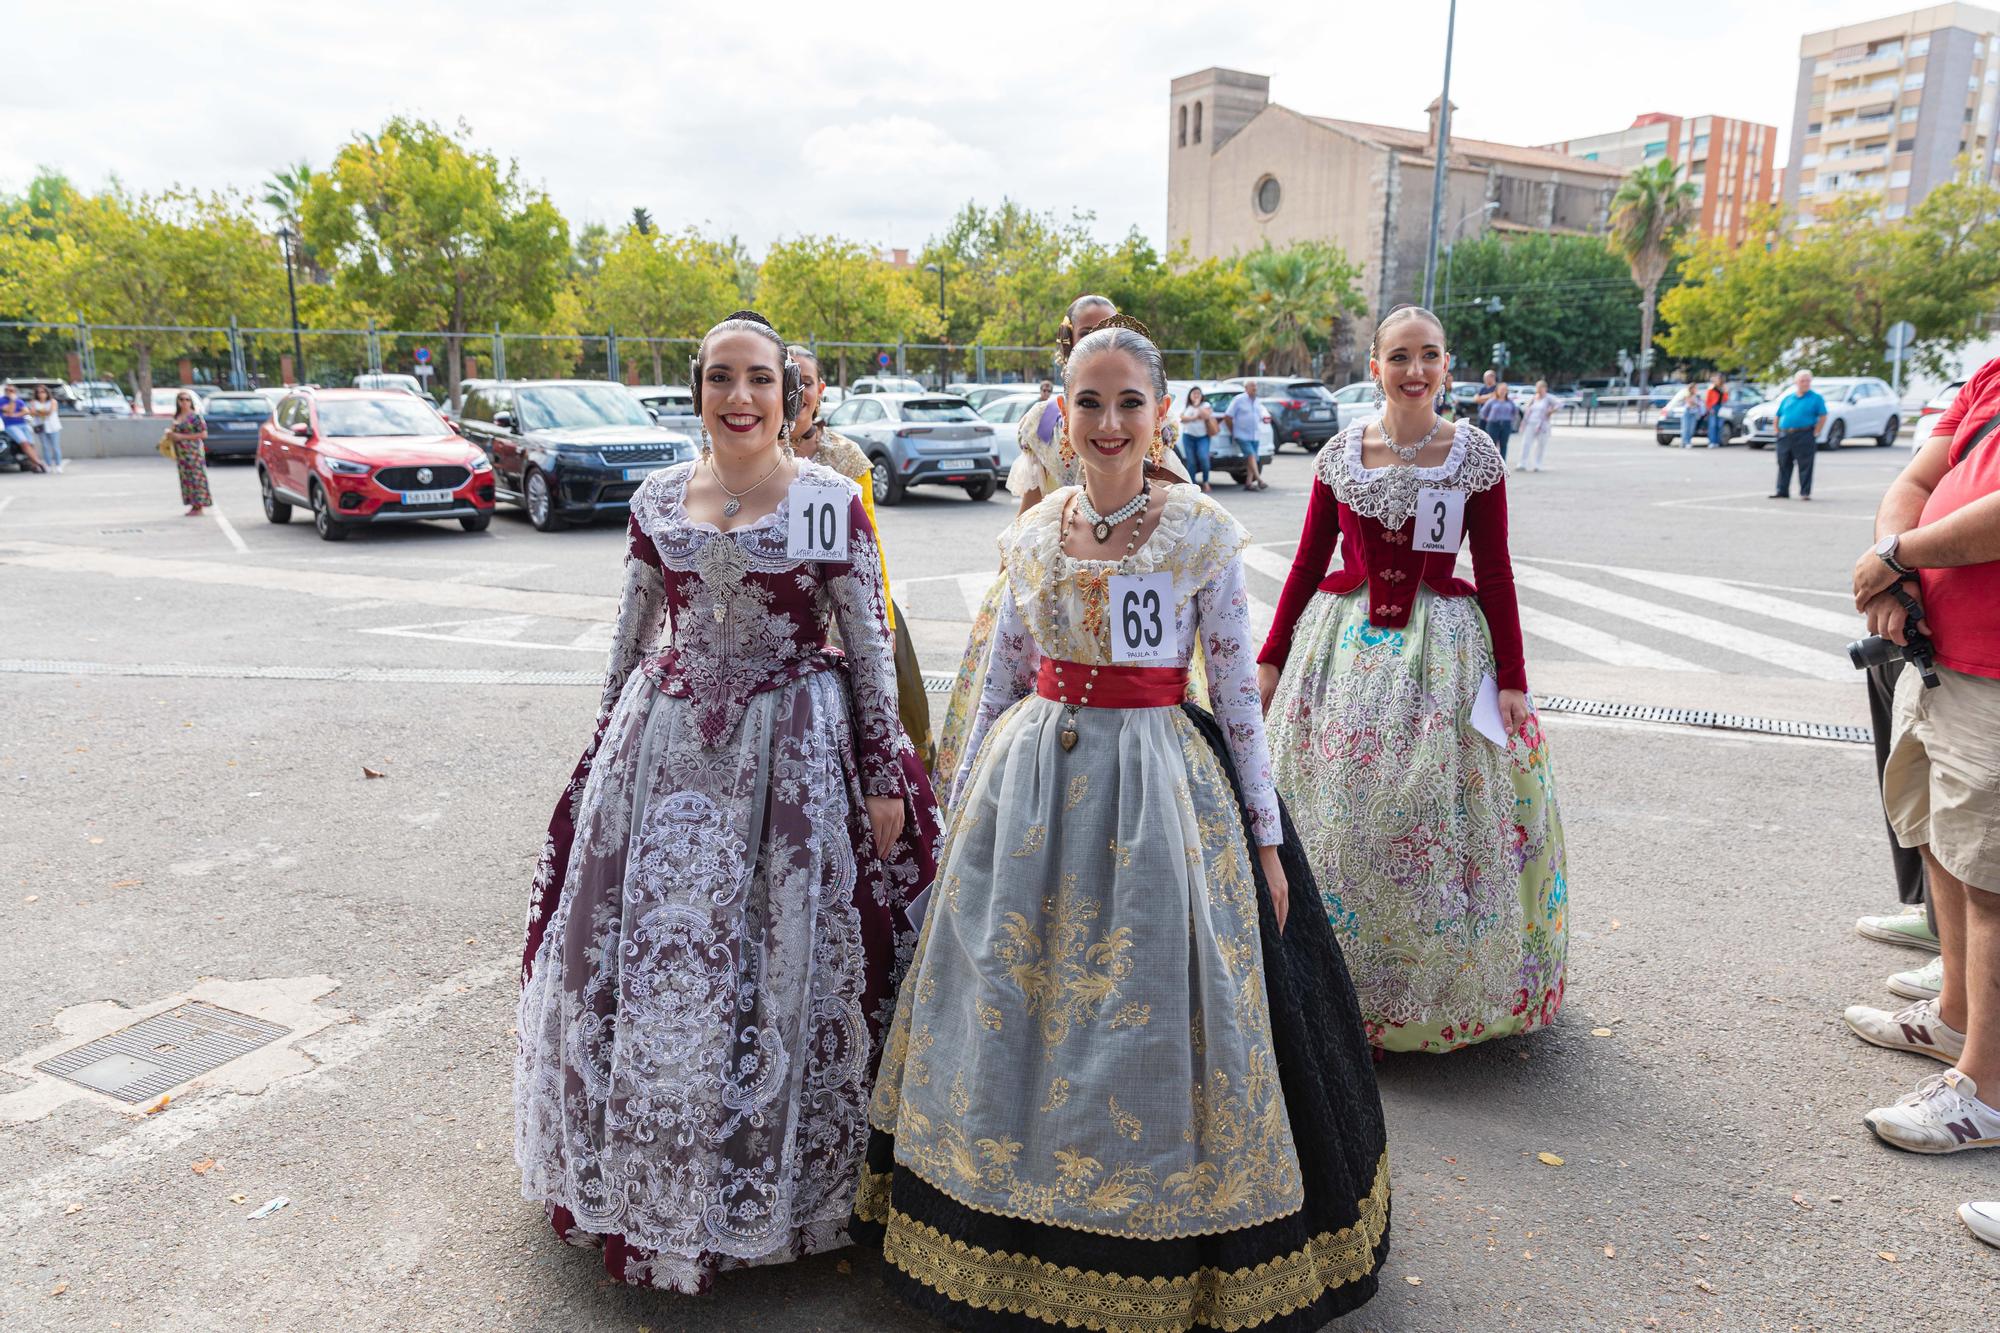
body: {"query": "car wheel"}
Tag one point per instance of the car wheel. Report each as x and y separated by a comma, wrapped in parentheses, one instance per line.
(275, 510)
(325, 524)
(542, 503)
(1664, 440)
(1836, 435)
(1888, 435)
(477, 523)
(889, 487)
(980, 490)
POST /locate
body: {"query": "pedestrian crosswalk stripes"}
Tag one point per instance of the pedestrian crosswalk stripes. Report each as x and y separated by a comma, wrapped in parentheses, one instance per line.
(1661, 620)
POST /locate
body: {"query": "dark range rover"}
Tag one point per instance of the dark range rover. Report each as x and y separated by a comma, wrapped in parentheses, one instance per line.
(567, 450)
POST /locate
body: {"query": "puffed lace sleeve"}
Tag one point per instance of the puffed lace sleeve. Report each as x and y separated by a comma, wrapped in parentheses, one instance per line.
(640, 611)
(1222, 618)
(861, 612)
(1010, 676)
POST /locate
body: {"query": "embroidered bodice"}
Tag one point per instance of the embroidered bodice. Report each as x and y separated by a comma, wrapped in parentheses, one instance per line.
(1368, 512)
(741, 617)
(1055, 606)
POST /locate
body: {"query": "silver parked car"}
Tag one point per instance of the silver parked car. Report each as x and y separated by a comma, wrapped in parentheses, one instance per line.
(921, 439)
(1857, 407)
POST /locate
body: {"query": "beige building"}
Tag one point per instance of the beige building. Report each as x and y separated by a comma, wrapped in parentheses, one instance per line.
(1242, 171)
(1731, 163)
(1889, 107)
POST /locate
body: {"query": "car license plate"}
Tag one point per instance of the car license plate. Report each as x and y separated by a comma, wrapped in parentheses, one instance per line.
(957, 465)
(1320, 414)
(635, 473)
(426, 497)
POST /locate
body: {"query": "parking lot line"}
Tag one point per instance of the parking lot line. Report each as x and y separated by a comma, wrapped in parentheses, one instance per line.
(229, 530)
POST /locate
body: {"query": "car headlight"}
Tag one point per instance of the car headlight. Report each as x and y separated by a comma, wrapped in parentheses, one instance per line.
(345, 467)
(480, 463)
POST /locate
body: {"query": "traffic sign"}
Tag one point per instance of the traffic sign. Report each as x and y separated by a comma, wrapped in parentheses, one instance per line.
(1901, 334)
(423, 356)
(882, 360)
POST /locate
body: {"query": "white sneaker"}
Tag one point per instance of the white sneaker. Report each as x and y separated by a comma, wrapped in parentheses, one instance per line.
(1911, 926)
(1919, 983)
(1943, 1115)
(1915, 1027)
(1983, 1219)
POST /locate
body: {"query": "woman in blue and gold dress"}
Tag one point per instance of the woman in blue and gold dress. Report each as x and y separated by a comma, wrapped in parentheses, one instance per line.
(1127, 1084)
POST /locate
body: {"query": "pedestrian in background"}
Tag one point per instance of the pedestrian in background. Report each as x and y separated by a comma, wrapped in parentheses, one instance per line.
(1197, 424)
(1801, 411)
(1244, 419)
(1537, 418)
(14, 421)
(1938, 528)
(1690, 414)
(1715, 402)
(46, 423)
(1498, 418)
(189, 436)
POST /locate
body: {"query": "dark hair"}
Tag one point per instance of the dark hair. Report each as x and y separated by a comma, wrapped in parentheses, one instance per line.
(749, 321)
(1066, 335)
(42, 390)
(1401, 314)
(1194, 393)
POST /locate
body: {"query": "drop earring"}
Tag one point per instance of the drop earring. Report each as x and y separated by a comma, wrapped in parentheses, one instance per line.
(785, 441)
(707, 445)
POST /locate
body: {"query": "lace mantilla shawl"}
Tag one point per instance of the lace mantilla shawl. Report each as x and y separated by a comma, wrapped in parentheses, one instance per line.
(1389, 494)
(842, 455)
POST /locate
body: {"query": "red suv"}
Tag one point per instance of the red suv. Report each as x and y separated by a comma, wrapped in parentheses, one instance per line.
(358, 456)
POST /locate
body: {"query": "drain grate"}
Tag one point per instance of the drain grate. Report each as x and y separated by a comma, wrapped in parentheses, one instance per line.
(157, 1054)
(1703, 717)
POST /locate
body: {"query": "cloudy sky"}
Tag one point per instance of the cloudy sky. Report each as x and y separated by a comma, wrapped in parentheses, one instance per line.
(771, 118)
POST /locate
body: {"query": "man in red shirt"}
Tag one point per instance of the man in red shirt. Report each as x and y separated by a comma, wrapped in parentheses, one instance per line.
(1939, 528)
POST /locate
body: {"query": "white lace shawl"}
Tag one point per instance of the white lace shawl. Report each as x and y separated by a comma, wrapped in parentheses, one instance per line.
(1389, 494)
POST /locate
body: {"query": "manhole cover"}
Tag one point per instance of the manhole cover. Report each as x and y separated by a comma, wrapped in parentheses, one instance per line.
(139, 1063)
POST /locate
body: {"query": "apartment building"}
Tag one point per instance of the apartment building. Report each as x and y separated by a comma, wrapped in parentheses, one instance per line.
(1890, 106)
(1731, 163)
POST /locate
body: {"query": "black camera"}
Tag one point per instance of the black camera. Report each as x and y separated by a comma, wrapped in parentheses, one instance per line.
(1875, 650)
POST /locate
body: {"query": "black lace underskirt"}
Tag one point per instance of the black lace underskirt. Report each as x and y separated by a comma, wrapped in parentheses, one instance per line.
(1326, 1068)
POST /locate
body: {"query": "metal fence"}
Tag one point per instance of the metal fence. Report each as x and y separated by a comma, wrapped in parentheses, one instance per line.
(241, 356)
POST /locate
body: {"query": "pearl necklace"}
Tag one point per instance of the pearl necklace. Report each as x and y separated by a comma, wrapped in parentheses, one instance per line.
(735, 502)
(1140, 504)
(1408, 453)
(1101, 524)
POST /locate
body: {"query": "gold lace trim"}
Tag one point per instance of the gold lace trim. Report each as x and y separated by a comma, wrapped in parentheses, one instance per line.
(1072, 1298)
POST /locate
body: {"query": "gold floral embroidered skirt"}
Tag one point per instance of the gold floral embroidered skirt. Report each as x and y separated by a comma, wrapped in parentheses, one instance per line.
(1113, 1097)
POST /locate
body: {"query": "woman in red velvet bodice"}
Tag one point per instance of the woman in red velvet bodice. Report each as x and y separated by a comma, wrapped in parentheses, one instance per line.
(1401, 731)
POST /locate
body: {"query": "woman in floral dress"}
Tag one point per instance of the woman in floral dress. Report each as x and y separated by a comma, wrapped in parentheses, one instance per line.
(1437, 846)
(718, 919)
(188, 435)
(1127, 1085)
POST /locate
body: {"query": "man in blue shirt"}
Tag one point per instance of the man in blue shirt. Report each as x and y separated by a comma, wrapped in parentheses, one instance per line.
(1244, 419)
(1800, 415)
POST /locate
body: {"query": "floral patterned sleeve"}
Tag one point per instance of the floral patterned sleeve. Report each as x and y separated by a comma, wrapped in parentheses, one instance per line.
(1010, 677)
(861, 611)
(1222, 618)
(640, 609)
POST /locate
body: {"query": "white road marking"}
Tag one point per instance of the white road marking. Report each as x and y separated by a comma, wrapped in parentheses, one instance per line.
(1593, 642)
(5, 500)
(596, 639)
(1750, 643)
(973, 588)
(503, 632)
(1267, 562)
(1734, 583)
(229, 530)
(1846, 625)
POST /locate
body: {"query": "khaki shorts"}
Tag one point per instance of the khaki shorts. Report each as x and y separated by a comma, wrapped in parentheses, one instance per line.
(1941, 785)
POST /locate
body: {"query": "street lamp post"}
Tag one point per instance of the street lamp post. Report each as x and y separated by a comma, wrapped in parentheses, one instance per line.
(1443, 150)
(1457, 233)
(944, 351)
(286, 238)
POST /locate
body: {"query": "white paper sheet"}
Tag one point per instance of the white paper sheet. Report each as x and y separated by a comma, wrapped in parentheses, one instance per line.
(1486, 712)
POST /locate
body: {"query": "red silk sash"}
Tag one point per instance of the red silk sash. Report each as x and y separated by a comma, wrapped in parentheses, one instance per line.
(1112, 686)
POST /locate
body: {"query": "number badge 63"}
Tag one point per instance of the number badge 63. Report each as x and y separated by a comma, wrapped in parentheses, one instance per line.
(1143, 627)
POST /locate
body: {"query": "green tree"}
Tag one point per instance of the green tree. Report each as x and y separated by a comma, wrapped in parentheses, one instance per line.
(1822, 298)
(285, 192)
(657, 286)
(835, 290)
(1568, 305)
(1649, 214)
(1295, 297)
(586, 257)
(435, 233)
(175, 258)
(642, 221)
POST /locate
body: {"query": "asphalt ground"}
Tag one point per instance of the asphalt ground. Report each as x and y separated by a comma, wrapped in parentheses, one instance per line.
(184, 812)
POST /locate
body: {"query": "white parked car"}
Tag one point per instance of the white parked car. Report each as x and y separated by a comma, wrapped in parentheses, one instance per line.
(885, 384)
(1005, 414)
(1357, 402)
(672, 406)
(1927, 418)
(409, 384)
(1857, 407)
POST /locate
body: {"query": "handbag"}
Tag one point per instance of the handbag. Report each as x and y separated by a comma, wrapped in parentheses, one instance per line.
(167, 443)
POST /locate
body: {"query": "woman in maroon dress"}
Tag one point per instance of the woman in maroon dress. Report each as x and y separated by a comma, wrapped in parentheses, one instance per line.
(718, 918)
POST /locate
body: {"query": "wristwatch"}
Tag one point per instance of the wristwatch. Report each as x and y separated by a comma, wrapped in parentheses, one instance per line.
(1886, 549)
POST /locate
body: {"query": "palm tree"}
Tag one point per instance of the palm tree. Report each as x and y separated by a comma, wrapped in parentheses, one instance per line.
(285, 193)
(642, 221)
(1296, 295)
(1649, 214)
